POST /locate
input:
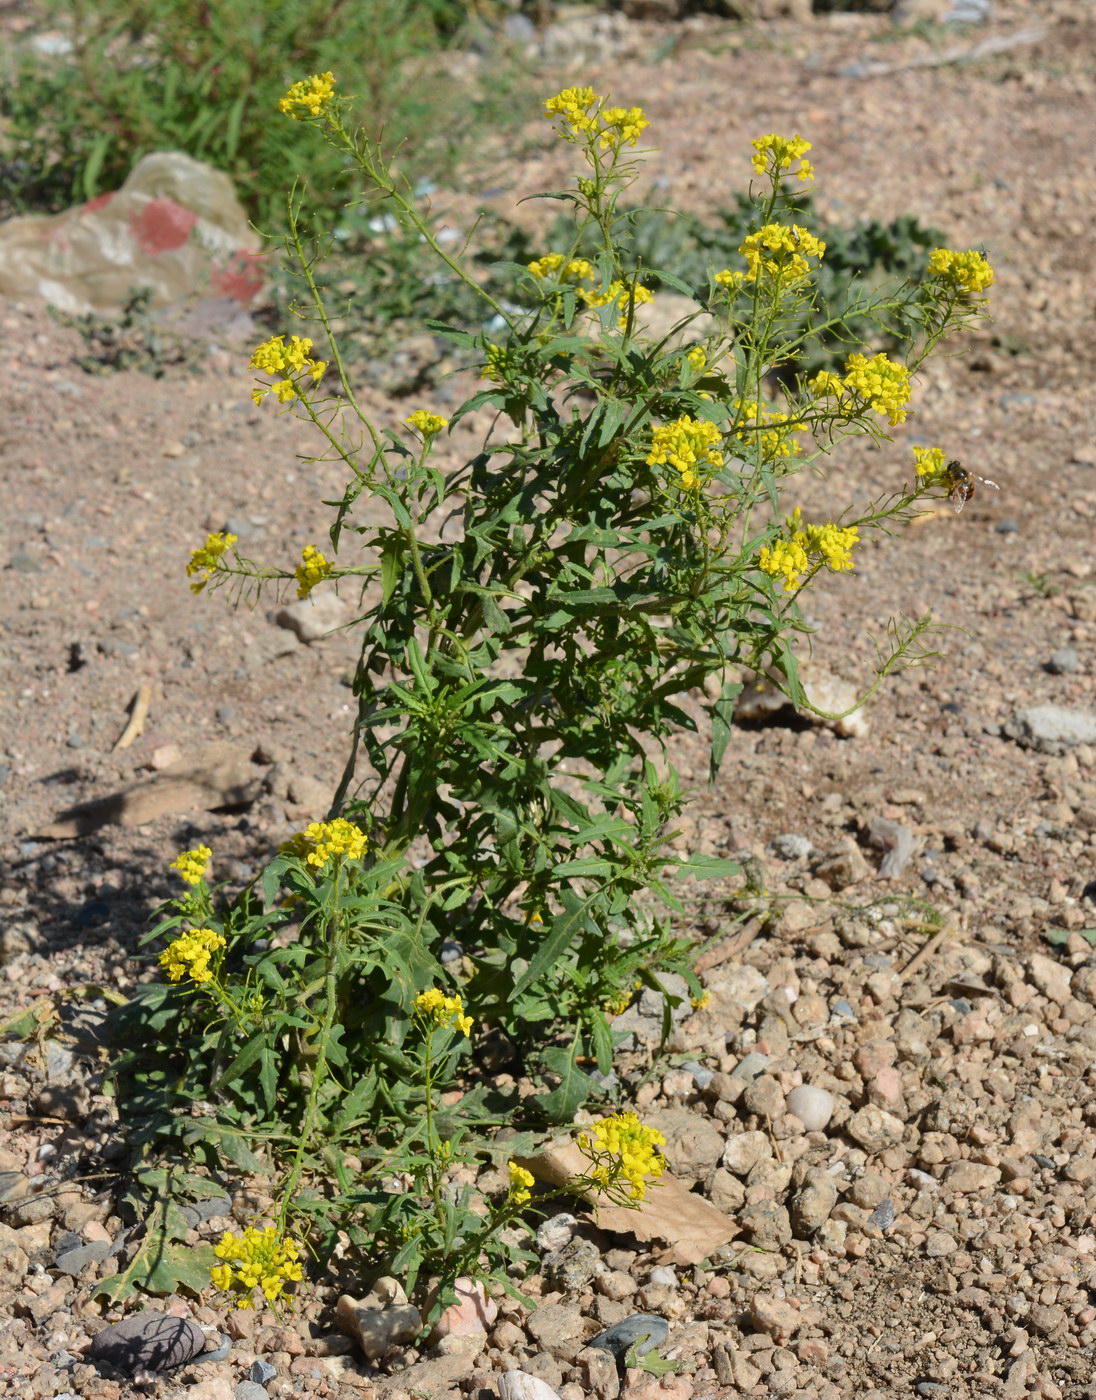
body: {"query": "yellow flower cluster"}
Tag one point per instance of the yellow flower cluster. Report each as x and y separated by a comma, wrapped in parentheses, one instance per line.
(312, 569)
(520, 1183)
(731, 280)
(776, 153)
(428, 424)
(755, 423)
(439, 1010)
(621, 1146)
(204, 560)
(256, 1259)
(308, 98)
(190, 953)
(969, 273)
(633, 296)
(697, 358)
(495, 364)
(563, 269)
(192, 865)
(827, 544)
(929, 463)
(610, 127)
(779, 252)
(882, 383)
(274, 356)
(321, 842)
(688, 444)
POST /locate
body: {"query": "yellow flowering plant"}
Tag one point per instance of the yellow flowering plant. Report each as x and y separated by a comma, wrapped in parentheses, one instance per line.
(623, 539)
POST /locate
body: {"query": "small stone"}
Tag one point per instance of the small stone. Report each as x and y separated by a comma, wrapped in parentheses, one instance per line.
(744, 1150)
(813, 1203)
(939, 1243)
(384, 1318)
(250, 1390)
(219, 1352)
(570, 1269)
(262, 1372)
(1064, 662)
(555, 1232)
(875, 1129)
(693, 1143)
(750, 1066)
(173, 449)
(774, 1317)
(883, 1216)
(311, 618)
(812, 1106)
(767, 1225)
(765, 1098)
(615, 1285)
(75, 1261)
(520, 1385)
(968, 1177)
(1051, 977)
(559, 1329)
(148, 1341)
(599, 1372)
(644, 1331)
(13, 1258)
(791, 845)
(470, 1315)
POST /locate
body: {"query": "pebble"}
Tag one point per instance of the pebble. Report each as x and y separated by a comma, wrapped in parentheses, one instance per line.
(250, 1390)
(520, 1385)
(148, 1341)
(883, 1216)
(619, 1339)
(791, 846)
(1064, 662)
(382, 1319)
(75, 1261)
(812, 1106)
(217, 1353)
(750, 1066)
(261, 1371)
(555, 1232)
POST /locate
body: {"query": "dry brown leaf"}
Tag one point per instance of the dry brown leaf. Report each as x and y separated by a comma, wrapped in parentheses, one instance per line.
(692, 1226)
(222, 775)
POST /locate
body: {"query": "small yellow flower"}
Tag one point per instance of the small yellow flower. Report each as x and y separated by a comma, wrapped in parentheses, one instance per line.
(622, 126)
(967, 273)
(205, 559)
(321, 842)
(929, 464)
(700, 1002)
(520, 1183)
(697, 358)
(732, 281)
(688, 445)
(632, 296)
(573, 105)
(309, 98)
(438, 1010)
(192, 865)
(758, 426)
(779, 252)
(555, 266)
(620, 1146)
(273, 356)
(256, 1259)
(775, 154)
(429, 425)
(190, 953)
(786, 560)
(883, 384)
(312, 569)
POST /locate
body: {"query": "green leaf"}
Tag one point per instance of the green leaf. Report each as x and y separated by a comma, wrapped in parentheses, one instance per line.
(565, 928)
(564, 1101)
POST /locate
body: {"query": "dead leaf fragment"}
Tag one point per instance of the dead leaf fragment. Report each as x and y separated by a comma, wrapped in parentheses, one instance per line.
(692, 1226)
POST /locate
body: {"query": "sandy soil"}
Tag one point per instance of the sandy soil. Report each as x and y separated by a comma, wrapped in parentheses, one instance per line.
(986, 1286)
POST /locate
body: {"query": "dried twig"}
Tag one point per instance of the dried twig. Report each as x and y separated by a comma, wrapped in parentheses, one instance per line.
(138, 714)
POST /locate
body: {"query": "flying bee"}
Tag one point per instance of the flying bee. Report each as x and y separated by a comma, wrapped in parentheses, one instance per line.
(961, 484)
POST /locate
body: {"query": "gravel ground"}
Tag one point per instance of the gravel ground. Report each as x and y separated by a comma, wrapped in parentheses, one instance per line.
(935, 1235)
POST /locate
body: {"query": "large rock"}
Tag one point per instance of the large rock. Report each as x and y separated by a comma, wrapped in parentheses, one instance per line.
(148, 1341)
